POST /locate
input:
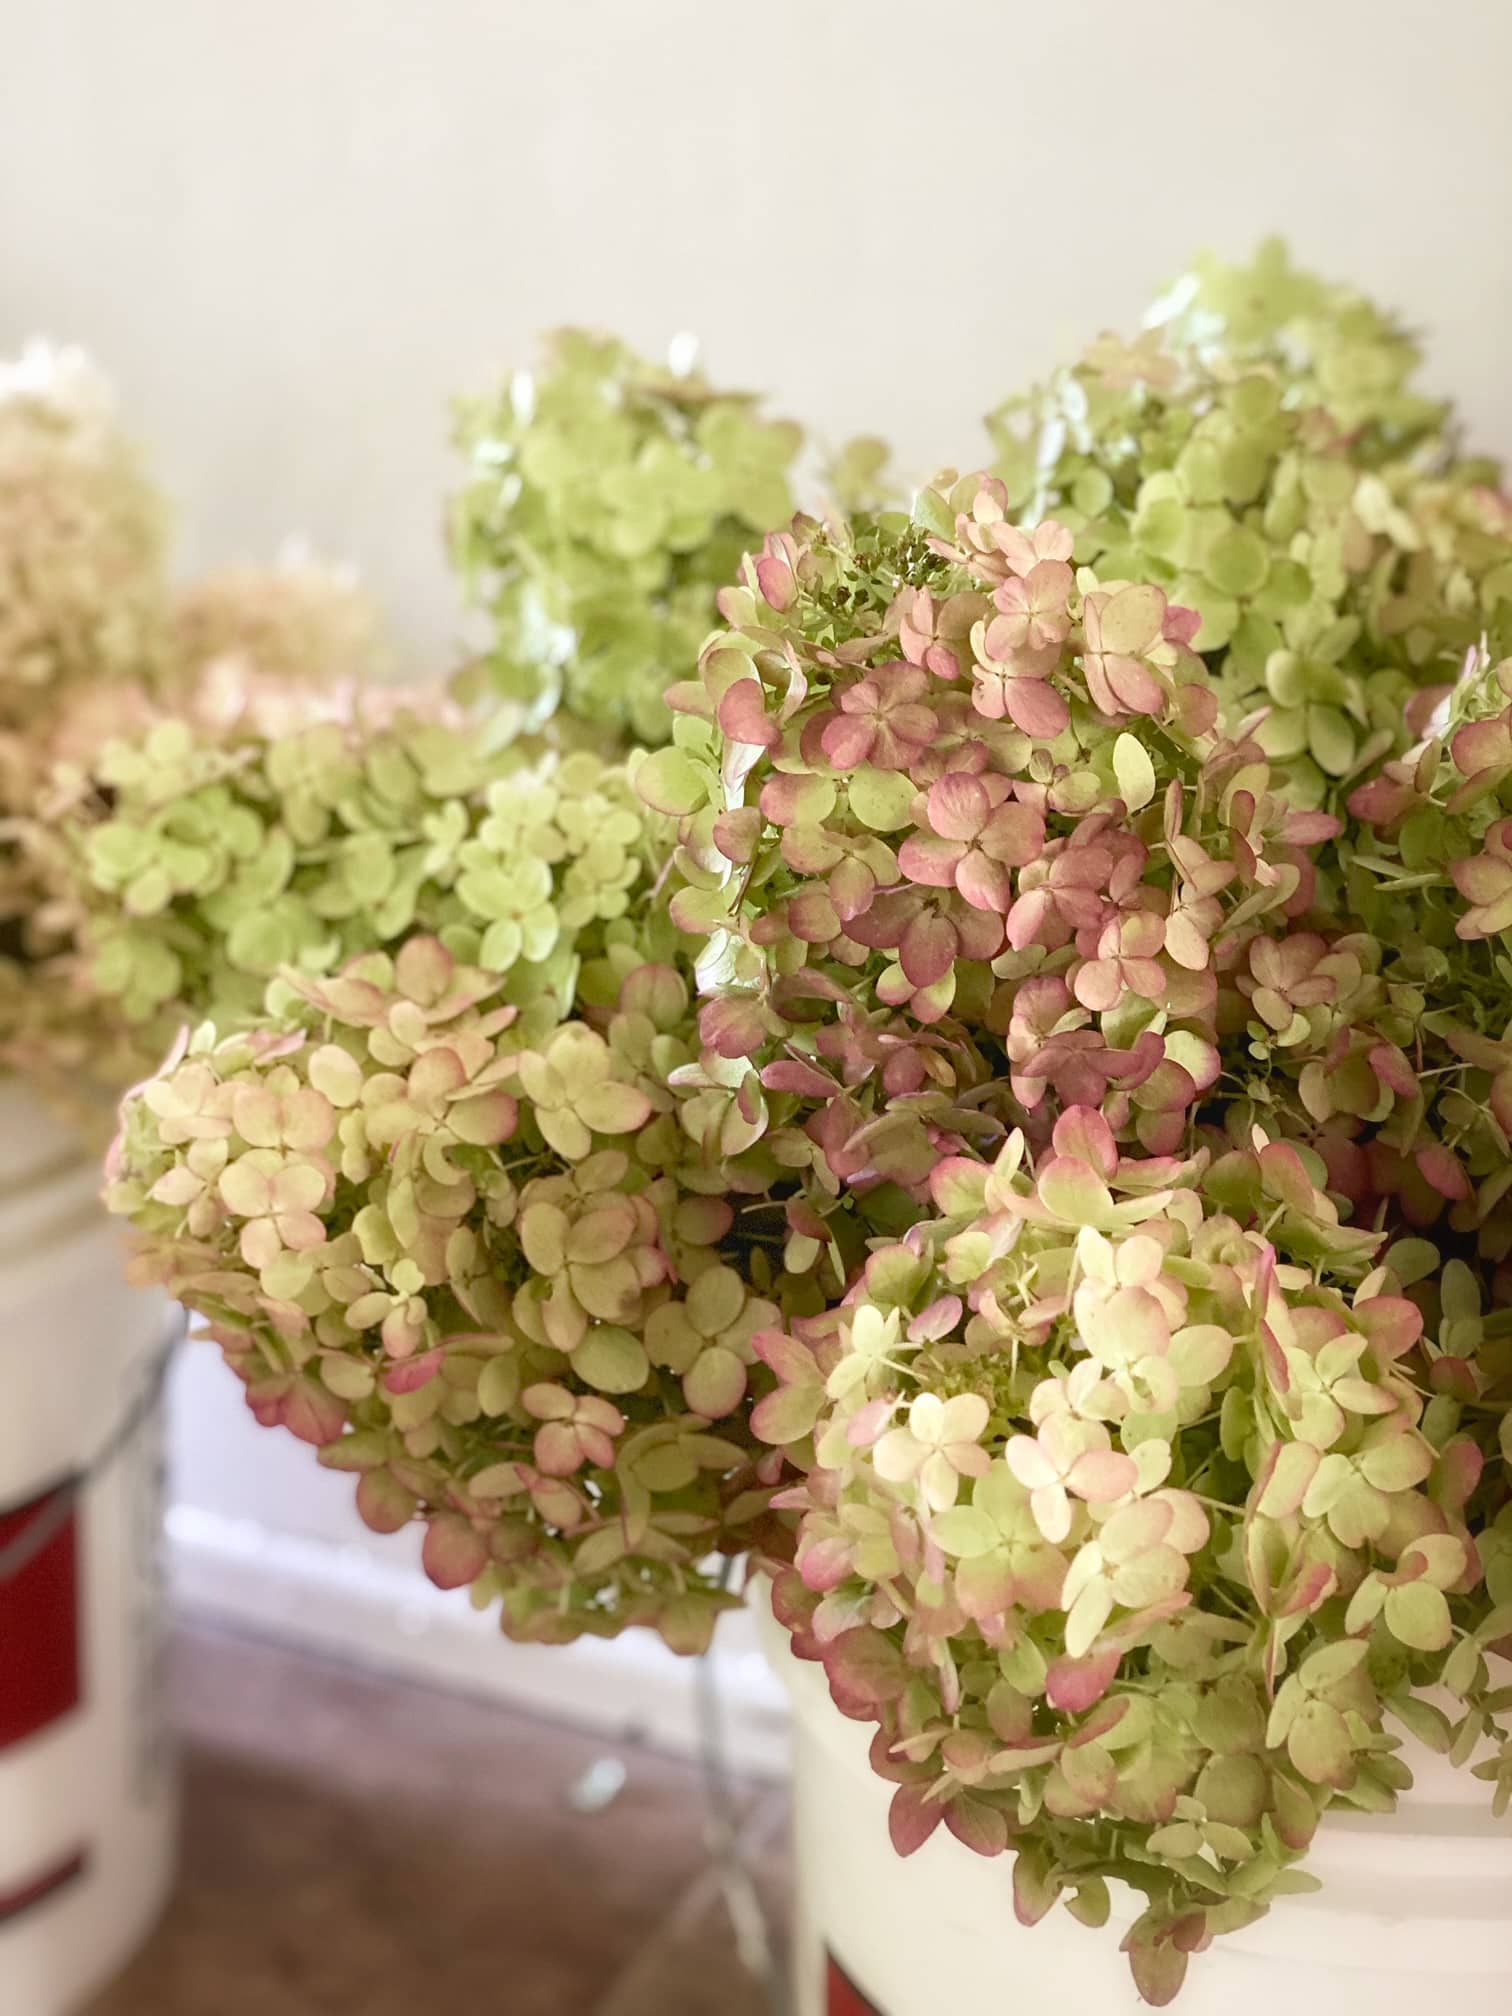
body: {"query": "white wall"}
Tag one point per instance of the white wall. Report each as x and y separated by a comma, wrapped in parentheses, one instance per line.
(294, 227)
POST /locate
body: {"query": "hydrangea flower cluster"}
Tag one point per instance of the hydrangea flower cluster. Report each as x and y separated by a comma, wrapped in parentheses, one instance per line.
(300, 625)
(1016, 1136)
(96, 644)
(607, 499)
(83, 610)
(210, 866)
(1261, 454)
(1142, 1526)
(450, 1220)
(1149, 1471)
(83, 539)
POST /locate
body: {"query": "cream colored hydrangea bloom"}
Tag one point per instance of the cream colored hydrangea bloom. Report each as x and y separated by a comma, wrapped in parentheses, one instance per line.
(83, 539)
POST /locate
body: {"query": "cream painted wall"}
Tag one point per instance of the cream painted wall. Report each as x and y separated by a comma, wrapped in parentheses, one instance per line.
(293, 227)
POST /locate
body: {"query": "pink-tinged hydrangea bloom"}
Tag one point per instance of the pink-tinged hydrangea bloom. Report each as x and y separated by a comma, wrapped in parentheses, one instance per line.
(937, 1446)
(1121, 630)
(277, 1201)
(1033, 614)
(976, 835)
(1016, 1133)
(883, 720)
(1485, 882)
(575, 1429)
(1066, 1459)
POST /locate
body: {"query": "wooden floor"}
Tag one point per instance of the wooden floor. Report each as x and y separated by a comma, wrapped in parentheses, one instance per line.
(355, 1846)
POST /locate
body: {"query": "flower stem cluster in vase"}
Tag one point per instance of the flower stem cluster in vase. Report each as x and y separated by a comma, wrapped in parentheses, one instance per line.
(1005, 1115)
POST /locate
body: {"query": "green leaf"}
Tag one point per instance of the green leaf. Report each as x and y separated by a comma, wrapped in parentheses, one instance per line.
(715, 1301)
(932, 512)
(347, 1378)
(1090, 1902)
(786, 1416)
(1430, 1725)
(1331, 740)
(1176, 1842)
(1330, 1664)
(1318, 1744)
(1414, 1259)
(1235, 1422)
(1397, 1463)
(715, 1385)
(1459, 1292)
(1498, 1624)
(1462, 1668)
(543, 1233)
(669, 1468)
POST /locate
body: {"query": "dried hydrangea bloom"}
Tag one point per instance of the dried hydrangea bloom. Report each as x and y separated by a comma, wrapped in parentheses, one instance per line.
(1262, 455)
(297, 626)
(96, 655)
(917, 906)
(607, 500)
(209, 864)
(1204, 1530)
(83, 539)
(985, 880)
(1053, 1137)
(83, 542)
(440, 1229)
(233, 701)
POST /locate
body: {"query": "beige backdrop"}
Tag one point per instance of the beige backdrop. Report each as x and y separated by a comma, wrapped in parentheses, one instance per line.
(293, 227)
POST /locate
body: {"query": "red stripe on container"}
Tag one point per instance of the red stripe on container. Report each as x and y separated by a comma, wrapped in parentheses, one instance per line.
(14, 1902)
(843, 1997)
(39, 1627)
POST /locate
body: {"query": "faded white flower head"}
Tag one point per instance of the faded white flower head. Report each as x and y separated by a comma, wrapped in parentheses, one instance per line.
(83, 539)
(304, 620)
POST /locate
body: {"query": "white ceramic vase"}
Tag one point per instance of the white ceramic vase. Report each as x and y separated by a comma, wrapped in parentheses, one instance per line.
(87, 1803)
(1415, 1913)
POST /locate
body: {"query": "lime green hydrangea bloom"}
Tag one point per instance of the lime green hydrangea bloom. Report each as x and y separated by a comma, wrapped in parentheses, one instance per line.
(607, 500)
(1261, 453)
(209, 867)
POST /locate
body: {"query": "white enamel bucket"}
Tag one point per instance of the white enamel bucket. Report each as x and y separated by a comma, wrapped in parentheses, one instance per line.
(1415, 1910)
(87, 1797)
